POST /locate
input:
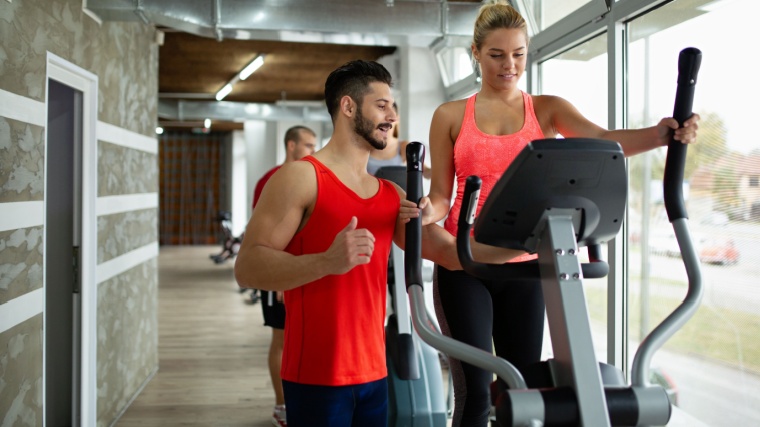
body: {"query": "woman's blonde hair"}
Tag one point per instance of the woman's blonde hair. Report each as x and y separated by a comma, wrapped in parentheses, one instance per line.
(495, 15)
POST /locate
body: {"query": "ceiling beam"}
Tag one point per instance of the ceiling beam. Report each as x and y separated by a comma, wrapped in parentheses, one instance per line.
(369, 22)
(239, 111)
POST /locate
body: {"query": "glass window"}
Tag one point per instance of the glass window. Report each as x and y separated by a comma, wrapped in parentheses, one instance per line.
(713, 363)
(455, 63)
(579, 75)
(545, 13)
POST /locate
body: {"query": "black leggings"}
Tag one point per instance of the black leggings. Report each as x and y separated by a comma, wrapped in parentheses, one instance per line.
(479, 312)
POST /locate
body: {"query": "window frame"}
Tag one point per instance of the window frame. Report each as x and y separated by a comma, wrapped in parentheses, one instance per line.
(584, 24)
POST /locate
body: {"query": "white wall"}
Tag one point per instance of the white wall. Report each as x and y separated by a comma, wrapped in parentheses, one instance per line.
(240, 188)
(419, 90)
(260, 153)
(256, 150)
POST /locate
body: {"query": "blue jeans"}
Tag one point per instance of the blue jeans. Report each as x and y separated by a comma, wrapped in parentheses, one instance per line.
(360, 405)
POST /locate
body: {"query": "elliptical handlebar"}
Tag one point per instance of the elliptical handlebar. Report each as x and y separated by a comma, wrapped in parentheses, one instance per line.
(689, 61)
(415, 155)
(464, 227)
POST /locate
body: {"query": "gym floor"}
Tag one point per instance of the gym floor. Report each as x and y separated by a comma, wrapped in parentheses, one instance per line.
(212, 349)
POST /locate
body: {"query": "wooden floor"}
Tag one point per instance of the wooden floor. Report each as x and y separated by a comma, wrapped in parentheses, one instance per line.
(212, 349)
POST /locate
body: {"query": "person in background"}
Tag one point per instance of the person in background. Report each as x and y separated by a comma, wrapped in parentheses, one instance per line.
(300, 141)
(394, 154)
(481, 136)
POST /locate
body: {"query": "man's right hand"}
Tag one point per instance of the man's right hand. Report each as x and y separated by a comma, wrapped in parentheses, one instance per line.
(350, 248)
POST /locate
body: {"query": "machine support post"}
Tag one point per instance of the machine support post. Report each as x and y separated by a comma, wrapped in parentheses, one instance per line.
(562, 284)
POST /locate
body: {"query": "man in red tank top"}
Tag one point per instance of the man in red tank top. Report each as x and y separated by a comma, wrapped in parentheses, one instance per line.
(322, 231)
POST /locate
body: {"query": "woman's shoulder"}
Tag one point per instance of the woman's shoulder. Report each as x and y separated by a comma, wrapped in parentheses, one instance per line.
(457, 103)
(548, 102)
(452, 109)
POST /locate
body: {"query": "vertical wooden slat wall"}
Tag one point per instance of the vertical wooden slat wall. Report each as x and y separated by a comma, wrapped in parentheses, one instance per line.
(192, 187)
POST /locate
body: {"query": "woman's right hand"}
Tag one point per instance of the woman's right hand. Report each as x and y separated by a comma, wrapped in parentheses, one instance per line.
(487, 254)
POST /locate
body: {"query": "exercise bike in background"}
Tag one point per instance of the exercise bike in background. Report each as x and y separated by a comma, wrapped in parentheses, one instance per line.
(230, 248)
(230, 244)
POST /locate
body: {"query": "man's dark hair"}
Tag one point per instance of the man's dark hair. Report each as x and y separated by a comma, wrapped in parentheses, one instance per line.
(353, 79)
(294, 134)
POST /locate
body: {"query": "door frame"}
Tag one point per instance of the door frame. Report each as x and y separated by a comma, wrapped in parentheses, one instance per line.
(65, 72)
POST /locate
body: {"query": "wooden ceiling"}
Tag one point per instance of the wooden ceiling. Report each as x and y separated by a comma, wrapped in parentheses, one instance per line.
(191, 66)
(194, 68)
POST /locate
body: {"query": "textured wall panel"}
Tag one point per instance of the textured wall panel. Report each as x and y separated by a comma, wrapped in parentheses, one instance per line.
(20, 262)
(21, 161)
(127, 337)
(21, 374)
(124, 232)
(125, 60)
(125, 170)
(128, 75)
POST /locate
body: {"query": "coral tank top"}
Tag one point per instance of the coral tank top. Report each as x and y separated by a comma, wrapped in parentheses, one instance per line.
(488, 156)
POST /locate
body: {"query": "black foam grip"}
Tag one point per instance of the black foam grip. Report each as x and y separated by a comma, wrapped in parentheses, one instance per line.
(689, 61)
(623, 406)
(415, 156)
(561, 407)
(597, 267)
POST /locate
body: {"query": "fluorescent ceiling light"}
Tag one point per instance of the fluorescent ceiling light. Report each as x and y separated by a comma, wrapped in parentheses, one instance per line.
(242, 75)
(252, 67)
(224, 92)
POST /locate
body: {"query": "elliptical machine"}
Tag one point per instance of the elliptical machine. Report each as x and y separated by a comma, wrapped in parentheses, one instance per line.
(556, 196)
(415, 387)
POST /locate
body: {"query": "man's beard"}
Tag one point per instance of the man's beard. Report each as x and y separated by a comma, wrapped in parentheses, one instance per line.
(364, 128)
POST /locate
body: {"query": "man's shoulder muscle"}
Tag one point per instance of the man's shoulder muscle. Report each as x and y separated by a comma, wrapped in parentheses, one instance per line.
(295, 179)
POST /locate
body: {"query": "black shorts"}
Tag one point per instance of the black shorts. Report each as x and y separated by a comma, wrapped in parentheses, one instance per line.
(274, 315)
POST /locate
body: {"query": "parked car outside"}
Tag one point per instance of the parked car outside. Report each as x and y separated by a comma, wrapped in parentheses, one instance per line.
(718, 250)
(713, 249)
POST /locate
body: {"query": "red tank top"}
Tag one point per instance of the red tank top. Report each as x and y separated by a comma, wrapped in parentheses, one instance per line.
(334, 328)
(260, 185)
(487, 156)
